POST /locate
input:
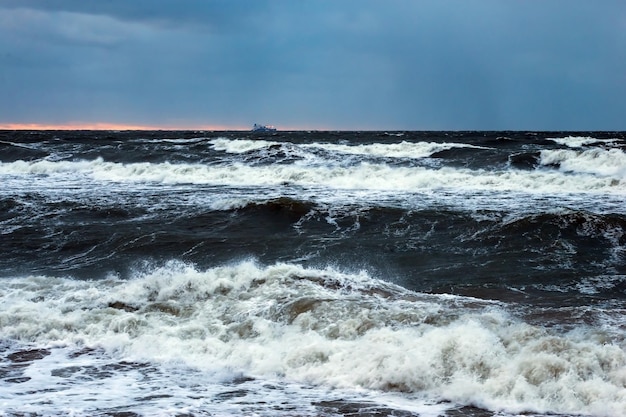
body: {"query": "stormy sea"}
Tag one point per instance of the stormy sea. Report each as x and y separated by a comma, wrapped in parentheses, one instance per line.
(193, 273)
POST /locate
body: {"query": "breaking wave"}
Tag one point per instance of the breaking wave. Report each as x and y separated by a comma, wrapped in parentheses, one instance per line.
(362, 176)
(324, 327)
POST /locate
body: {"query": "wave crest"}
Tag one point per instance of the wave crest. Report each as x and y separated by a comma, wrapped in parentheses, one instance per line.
(322, 326)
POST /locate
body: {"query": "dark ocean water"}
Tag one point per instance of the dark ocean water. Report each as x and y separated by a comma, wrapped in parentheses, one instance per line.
(312, 273)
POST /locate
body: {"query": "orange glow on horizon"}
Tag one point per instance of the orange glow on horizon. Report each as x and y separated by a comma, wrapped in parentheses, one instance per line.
(121, 126)
(108, 126)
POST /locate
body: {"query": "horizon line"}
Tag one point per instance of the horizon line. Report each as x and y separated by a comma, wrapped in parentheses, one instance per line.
(109, 126)
(105, 126)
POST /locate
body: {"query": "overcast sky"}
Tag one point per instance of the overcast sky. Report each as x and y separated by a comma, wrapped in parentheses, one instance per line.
(316, 64)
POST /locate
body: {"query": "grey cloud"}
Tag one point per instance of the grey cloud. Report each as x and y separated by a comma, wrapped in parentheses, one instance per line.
(344, 64)
(197, 13)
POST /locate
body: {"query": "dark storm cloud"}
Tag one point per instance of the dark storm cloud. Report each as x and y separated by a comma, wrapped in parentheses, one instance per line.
(343, 64)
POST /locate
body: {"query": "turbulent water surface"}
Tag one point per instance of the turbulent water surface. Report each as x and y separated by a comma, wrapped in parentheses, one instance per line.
(312, 273)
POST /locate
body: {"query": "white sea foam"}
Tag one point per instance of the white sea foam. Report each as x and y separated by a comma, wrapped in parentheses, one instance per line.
(240, 145)
(598, 161)
(579, 141)
(394, 150)
(325, 328)
(403, 149)
(599, 172)
(92, 383)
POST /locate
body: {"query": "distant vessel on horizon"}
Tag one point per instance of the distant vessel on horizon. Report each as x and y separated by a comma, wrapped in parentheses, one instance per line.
(263, 128)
